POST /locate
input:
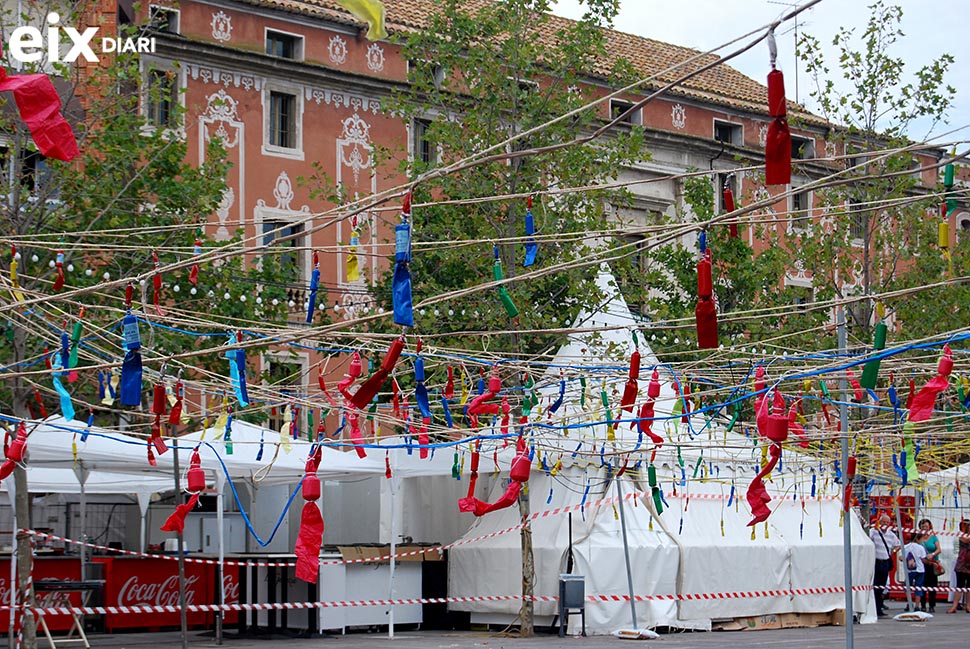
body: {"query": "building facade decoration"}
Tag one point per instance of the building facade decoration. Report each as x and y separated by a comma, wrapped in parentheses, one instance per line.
(353, 145)
(221, 111)
(283, 191)
(222, 214)
(221, 27)
(339, 99)
(678, 116)
(224, 78)
(337, 50)
(375, 58)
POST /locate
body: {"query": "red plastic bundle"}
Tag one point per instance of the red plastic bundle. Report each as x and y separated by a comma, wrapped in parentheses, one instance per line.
(519, 474)
(310, 537)
(921, 406)
(774, 427)
(705, 313)
(645, 422)
(778, 142)
(15, 452)
(366, 393)
(40, 108)
(630, 389)
(196, 484)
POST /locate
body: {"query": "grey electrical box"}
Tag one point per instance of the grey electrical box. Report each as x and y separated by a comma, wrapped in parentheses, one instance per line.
(572, 600)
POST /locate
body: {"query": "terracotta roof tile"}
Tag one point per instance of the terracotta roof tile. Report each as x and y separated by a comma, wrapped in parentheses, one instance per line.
(721, 85)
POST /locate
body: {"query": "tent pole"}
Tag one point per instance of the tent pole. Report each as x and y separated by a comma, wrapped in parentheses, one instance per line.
(626, 553)
(390, 580)
(144, 500)
(83, 477)
(846, 487)
(11, 636)
(220, 568)
(181, 556)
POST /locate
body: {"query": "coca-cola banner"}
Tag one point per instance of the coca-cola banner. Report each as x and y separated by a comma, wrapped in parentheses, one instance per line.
(154, 582)
(63, 569)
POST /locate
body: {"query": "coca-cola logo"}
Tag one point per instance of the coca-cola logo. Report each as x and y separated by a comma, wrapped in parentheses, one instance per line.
(231, 588)
(4, 591)
(135, 592)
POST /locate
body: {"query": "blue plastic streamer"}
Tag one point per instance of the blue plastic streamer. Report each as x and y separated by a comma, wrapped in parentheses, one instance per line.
(531, 247)
(131, 365)
(131, 378)
(562, 393)
(87, 431)
(447, 411)
(314, 285)
(401, 282)
(67, 408)
(237, 375)
(65, 350)
(582, 504)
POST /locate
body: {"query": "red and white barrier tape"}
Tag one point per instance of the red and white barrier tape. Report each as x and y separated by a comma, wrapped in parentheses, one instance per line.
(103, 610)
(935, 589)
(910, 530)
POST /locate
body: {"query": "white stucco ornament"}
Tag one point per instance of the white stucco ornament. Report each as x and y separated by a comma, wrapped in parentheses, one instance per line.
(678, 116)
(337, 50)
(221, 26)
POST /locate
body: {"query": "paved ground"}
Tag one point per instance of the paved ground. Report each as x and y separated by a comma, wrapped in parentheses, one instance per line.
(941, 632)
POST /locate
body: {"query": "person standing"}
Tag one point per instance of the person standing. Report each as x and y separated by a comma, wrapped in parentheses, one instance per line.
(883, 539)
(962, 568)
(915, 553)
(933, 550)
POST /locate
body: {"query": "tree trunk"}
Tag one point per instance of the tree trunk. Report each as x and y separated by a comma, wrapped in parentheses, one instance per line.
(527, 611)
(25, 555)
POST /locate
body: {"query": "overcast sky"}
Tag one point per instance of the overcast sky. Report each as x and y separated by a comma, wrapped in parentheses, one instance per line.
(930, 27)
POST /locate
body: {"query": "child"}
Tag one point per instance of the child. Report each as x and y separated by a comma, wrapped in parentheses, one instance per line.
(915, 553)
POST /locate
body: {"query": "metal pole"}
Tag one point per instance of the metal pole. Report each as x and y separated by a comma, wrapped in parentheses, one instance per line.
(11, 636)
(220, 568)
(390, 584)
(626, 553)
(846, 506)
(181, 557)
(82, 475)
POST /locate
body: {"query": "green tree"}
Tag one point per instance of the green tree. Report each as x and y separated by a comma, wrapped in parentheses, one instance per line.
(477, 80)
(743, 280)
(870, 236)
(129, 192)
(482, 74)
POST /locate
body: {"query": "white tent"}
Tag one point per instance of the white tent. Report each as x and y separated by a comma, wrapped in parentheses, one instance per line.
(682, 551)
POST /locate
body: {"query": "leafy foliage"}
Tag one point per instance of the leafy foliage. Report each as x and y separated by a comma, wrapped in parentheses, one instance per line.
(477, 80)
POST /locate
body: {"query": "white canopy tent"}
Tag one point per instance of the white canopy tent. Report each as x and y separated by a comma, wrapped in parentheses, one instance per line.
(681, 551)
